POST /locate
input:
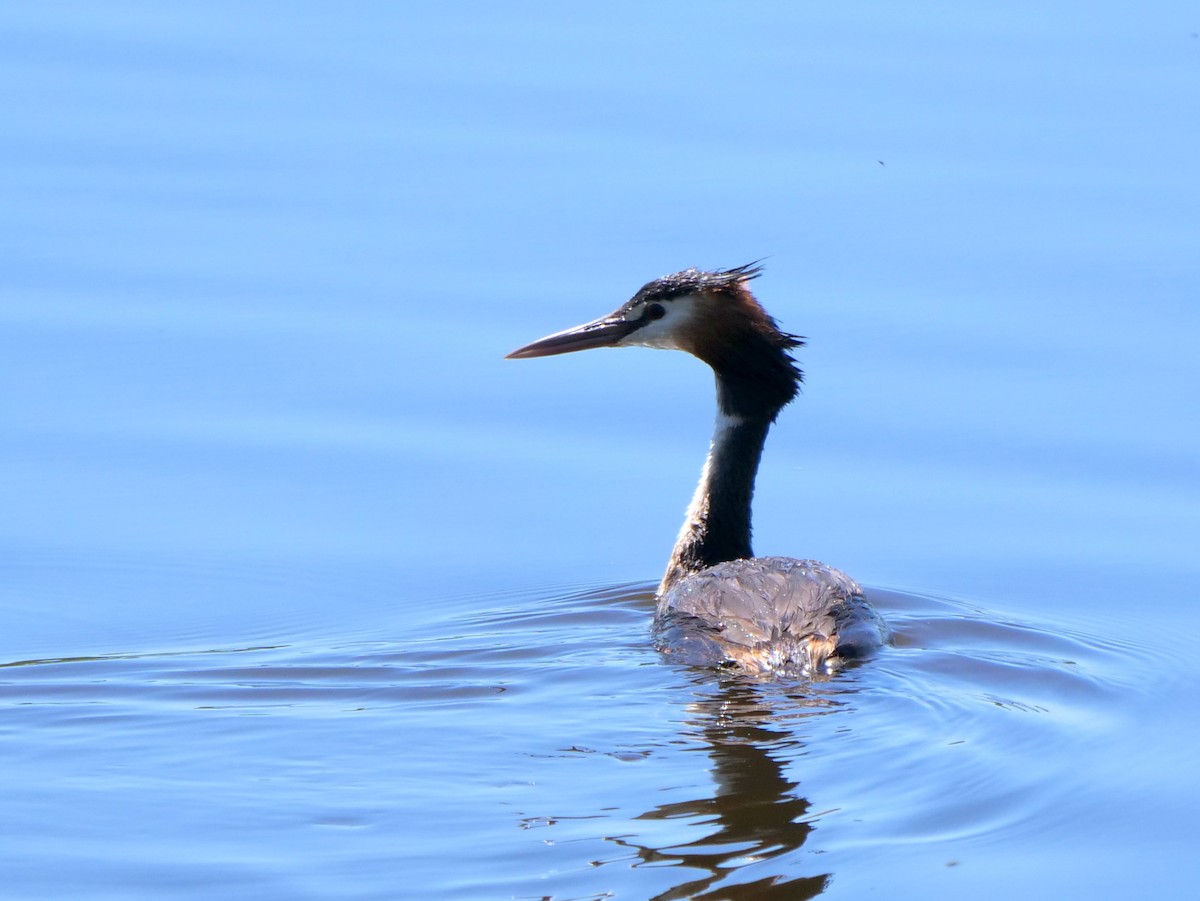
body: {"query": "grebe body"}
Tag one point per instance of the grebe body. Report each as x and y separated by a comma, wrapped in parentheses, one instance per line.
(718, 604)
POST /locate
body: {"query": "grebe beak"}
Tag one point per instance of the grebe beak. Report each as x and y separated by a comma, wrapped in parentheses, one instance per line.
(603, 332)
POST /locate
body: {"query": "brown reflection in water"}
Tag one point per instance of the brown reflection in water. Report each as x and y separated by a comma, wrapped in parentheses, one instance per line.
(755, 812)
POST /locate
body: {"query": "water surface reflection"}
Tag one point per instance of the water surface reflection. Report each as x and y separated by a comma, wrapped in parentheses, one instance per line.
(754, 814)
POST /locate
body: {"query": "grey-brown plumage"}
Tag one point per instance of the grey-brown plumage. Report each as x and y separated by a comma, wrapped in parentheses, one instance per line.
(767, 615)
(718, 604)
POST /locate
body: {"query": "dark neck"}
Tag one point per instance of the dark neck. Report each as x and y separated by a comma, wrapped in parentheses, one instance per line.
(717, 526)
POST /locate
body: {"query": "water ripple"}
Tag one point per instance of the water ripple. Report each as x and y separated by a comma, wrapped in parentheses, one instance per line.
(560, 719)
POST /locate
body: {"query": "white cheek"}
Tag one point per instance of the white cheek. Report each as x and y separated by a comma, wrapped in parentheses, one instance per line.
(655, 334)
(664, 333)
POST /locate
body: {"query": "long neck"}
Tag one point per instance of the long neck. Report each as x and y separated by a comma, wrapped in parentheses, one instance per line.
(717, 525)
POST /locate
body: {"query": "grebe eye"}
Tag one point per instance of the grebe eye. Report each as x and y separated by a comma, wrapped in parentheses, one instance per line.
(655, 311)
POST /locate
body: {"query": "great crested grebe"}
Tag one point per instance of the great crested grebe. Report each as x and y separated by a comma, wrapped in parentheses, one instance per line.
(718, 604)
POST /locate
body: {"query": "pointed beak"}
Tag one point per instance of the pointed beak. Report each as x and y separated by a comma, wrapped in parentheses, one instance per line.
(603, 332)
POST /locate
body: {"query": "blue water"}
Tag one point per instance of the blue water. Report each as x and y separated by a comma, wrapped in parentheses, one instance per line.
(306, 592)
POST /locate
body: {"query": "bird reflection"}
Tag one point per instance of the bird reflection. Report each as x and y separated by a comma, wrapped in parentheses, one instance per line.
(755, 813)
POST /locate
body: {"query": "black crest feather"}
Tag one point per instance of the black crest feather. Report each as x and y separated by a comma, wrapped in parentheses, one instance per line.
(756, 373)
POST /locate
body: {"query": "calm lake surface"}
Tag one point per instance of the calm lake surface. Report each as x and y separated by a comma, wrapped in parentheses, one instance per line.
(305, 592)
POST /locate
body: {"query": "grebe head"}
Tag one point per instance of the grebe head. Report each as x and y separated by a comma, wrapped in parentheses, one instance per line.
(711, 315)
